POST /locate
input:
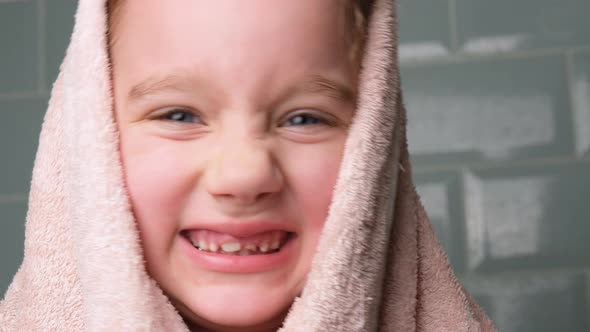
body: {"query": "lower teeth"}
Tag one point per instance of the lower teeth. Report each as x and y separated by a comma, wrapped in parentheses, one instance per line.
(241, 253)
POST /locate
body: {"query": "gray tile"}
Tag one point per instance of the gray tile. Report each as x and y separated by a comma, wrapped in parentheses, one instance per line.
(60, 23)
(581, 102)
(12, 238)
(440, 194)
(534, 302)
(528, 217)
(18, 41)
(488, 110)
(423, 29)
(19, 134)
(506, 25)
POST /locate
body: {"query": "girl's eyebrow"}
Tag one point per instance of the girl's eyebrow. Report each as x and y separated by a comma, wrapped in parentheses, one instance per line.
(323, 85)
(156, 84)
(313, 84)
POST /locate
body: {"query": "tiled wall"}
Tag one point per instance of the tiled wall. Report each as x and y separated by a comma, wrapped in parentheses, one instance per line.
(498, 97)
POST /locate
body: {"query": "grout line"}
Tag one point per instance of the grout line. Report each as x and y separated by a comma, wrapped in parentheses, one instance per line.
(525, 272)
(569, 75)
(453, 25)
(460, 224)
(486, 164)
(41, 44)
(580, 50)
(474, 57)
(15, 198)
(587, 281)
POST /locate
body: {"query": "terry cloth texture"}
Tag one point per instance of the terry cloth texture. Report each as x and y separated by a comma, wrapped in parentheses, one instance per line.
(378, 266)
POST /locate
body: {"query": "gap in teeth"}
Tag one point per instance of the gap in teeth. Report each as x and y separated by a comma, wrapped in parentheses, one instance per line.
(233, 248)
(270, 244)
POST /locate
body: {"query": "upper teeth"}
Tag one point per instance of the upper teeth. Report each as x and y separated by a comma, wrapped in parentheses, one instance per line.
(231, 247)
(274, 244)
(211, 241)
(213, 247)
(236, 247)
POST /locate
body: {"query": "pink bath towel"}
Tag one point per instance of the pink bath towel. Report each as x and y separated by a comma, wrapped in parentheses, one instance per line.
(379, 266)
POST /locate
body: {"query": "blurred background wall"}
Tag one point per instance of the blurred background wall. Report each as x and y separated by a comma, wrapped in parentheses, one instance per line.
(498, 99)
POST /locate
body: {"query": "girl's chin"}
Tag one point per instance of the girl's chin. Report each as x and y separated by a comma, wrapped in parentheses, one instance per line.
(235, 308)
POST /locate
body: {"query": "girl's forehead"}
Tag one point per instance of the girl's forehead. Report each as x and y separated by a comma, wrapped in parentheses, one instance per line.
(225, 43)
(231, 22)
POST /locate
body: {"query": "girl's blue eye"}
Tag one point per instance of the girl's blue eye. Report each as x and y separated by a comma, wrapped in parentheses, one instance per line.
(305, 119)
(180, 116)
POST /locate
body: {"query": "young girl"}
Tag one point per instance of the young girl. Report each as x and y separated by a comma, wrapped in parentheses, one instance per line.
(233, 117)
(230, 166)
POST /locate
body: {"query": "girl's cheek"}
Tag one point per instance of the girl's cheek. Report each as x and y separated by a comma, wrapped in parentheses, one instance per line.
(313, 174)
(157, 178)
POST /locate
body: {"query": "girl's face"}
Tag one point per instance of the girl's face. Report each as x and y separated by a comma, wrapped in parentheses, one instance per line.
(233, 117)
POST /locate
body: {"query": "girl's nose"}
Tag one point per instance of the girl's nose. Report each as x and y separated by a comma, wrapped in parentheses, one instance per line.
(242, 175)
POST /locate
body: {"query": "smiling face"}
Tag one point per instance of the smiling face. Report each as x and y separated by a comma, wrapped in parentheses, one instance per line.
(233, 117)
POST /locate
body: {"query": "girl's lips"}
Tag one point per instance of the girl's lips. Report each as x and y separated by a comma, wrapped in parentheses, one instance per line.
(226, 263)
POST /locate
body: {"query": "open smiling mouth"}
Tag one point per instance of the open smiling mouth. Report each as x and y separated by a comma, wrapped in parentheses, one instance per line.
(261, 244)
